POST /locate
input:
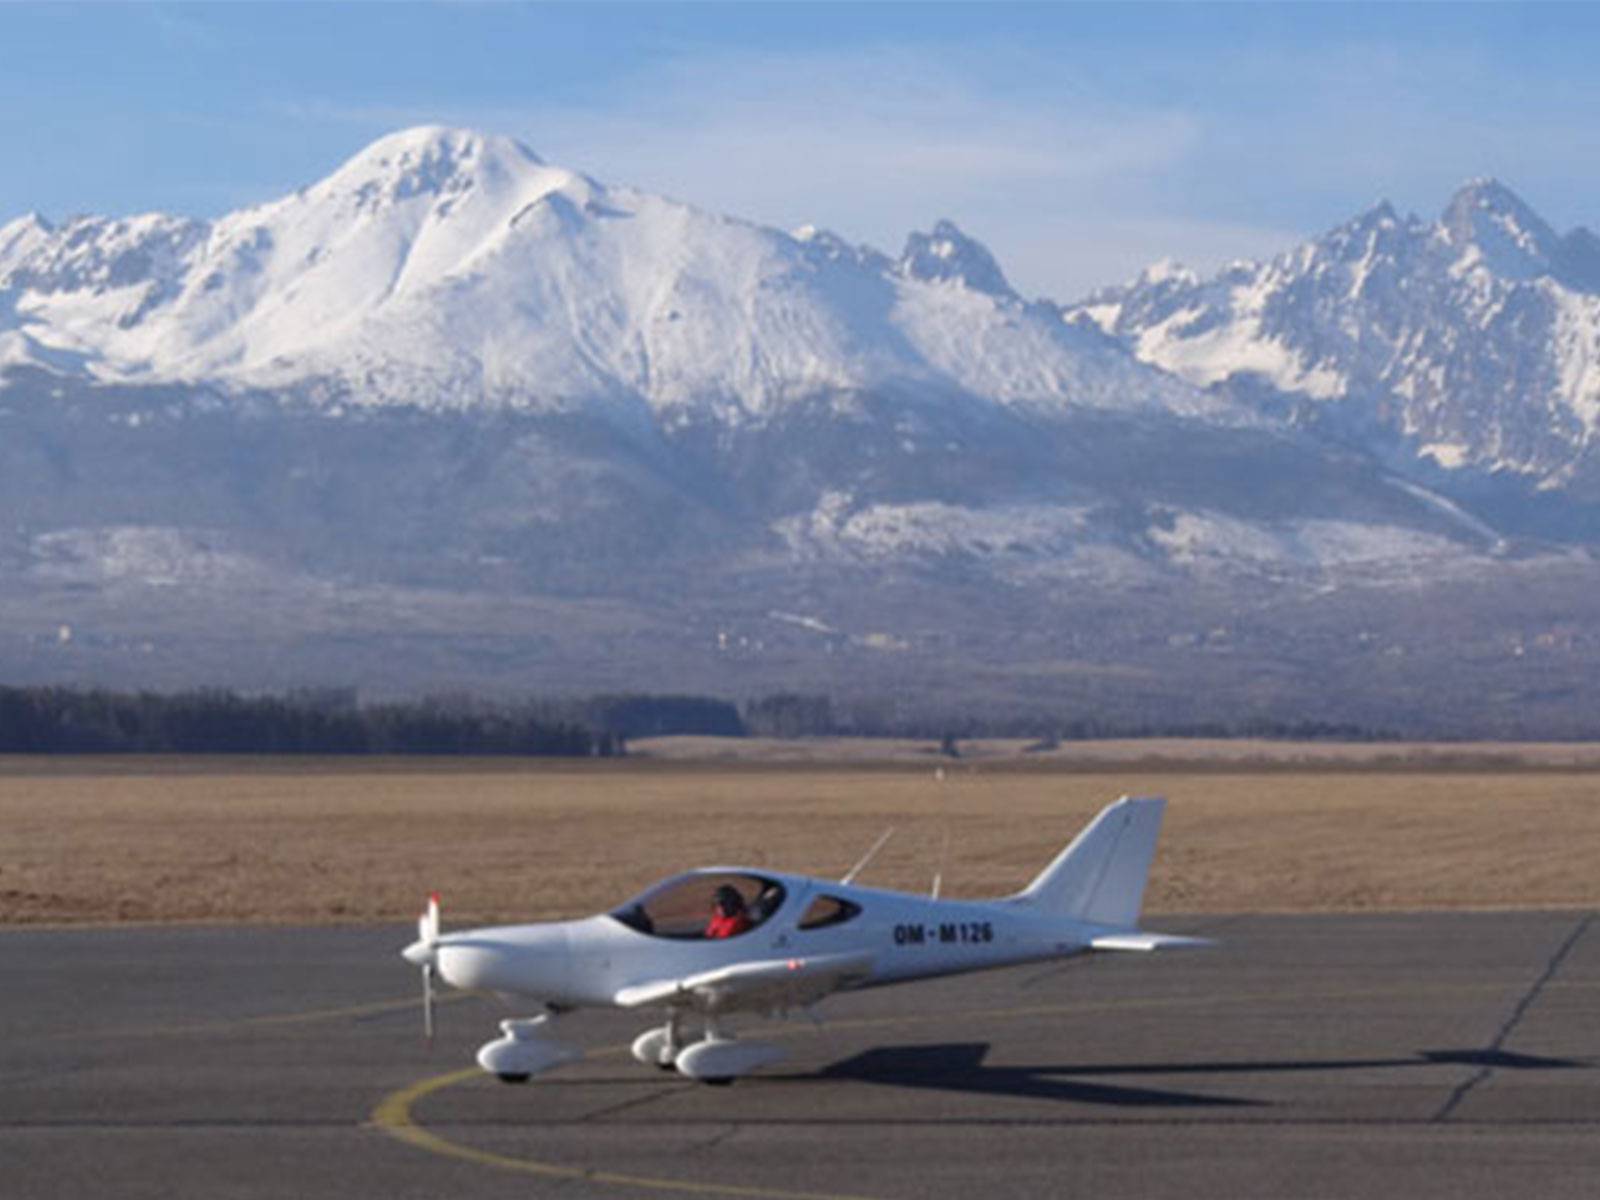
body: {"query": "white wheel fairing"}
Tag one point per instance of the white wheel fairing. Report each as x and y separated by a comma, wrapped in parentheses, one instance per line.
(654, 1048)
(522, 1051)
(726, 1058)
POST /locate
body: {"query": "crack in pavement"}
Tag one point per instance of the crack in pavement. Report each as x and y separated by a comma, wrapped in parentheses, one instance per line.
(1478, 1077)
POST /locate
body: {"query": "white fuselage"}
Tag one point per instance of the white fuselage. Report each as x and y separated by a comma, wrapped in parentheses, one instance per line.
(588, 962)
(708, 944)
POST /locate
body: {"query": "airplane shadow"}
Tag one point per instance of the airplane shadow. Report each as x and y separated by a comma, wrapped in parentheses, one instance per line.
(960, 1067)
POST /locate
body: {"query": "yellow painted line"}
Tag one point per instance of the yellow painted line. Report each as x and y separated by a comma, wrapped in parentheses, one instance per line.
(393, 1114)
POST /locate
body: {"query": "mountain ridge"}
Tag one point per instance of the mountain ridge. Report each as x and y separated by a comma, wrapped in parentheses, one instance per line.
(1469, 344)
(456, 416)
(441, 263)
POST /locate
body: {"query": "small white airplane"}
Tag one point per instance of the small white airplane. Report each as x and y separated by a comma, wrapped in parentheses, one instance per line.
(723, 940)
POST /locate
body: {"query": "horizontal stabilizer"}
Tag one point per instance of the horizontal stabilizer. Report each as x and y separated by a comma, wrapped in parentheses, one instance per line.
(1146, 942)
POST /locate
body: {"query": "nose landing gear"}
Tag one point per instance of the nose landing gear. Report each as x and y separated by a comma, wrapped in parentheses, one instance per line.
(524, 1050)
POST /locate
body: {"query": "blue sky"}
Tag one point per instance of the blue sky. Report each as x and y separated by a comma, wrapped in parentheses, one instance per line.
(1079, 141)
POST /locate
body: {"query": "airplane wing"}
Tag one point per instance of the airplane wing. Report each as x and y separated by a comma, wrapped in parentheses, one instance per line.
(1145, 942)
(769, 984)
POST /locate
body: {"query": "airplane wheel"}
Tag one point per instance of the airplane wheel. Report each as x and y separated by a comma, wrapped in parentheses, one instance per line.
(666, 1066)
(720, 1081)
(514, 1078)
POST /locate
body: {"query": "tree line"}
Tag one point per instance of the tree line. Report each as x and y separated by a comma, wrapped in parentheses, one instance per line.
(73, 721)
(59, 720)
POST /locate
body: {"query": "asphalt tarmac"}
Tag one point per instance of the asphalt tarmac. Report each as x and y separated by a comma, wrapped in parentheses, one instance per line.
(1414, 1055)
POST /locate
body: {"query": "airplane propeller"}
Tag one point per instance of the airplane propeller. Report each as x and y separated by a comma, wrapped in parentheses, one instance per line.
(424, 953)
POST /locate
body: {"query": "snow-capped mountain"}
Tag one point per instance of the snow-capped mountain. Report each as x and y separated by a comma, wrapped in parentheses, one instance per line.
(445, 271)
(1471, 342)
(456, 415)
(445, 268)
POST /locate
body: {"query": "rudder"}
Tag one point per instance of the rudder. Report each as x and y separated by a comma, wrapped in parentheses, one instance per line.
(1100, 877)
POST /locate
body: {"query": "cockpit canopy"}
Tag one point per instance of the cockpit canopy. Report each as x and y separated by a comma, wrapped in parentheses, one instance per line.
(681, 907)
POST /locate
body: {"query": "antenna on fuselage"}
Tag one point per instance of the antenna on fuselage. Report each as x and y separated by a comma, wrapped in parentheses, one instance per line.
(866, 858)
(944, 850)
(938, 875)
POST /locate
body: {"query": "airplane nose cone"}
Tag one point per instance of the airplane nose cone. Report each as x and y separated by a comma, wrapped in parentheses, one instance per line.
(474, 966)
(534, 965)
(418, 954)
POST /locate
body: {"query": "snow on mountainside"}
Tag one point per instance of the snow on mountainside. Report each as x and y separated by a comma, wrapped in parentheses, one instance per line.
(700, 384)
(454, 416)
(444, 268)
(1474, 338)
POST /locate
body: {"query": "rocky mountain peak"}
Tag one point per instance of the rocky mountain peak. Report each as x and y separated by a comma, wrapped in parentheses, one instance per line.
(428, 160)
(1379, 216)
(1487, 219)
(1465, 342)
(948, 254)
(829, 246)
(440, 171)
(1375, 232)
(22, 237)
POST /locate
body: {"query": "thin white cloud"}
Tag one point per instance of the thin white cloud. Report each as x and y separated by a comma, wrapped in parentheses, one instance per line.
(874, 118)
(1074, 176)
(183, 28)
(870, 144)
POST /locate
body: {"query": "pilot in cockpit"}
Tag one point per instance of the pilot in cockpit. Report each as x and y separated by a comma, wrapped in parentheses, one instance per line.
(728, 913)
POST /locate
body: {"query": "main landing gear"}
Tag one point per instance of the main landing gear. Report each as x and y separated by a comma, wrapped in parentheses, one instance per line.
(718, 1058)
(660, 1047)
(525, 1049)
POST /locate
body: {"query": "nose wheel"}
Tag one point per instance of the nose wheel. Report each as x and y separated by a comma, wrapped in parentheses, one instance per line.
(525, 1049)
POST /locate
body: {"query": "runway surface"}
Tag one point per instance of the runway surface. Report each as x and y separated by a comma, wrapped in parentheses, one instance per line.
(1423, 1056)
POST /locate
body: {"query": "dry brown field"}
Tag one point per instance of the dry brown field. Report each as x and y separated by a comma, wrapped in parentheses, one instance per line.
(1251, 827)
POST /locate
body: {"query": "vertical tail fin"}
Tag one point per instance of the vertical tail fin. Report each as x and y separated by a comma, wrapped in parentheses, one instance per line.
(1100, 877)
